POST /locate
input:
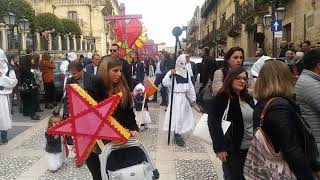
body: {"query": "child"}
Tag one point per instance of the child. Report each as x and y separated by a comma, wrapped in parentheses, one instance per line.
(142, 113)
(54, 147)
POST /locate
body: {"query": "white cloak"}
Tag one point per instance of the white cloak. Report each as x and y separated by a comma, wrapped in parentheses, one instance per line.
(182, 117)
(8, 83)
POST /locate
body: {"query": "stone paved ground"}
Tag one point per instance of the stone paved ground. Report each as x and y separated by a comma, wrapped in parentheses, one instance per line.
(24, 158)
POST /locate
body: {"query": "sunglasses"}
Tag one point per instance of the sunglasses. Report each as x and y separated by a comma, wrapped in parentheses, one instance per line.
(277, 59)
(113, 50)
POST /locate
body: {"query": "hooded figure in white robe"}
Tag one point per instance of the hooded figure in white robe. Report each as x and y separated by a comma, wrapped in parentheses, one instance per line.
(184, 95)
(8, 81)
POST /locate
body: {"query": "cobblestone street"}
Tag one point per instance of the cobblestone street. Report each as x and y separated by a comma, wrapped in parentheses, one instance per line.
(24, 158)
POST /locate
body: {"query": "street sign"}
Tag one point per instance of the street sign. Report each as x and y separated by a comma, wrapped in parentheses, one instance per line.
(278, 34)
(276, 25)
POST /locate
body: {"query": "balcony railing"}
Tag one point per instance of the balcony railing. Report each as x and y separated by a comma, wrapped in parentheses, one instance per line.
(233, 26)
(249, 8)
(207, 7)
(72, 2)
(209, 39)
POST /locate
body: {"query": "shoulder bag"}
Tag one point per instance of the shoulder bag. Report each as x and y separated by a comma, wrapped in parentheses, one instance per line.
(262, 162)
(201, 130)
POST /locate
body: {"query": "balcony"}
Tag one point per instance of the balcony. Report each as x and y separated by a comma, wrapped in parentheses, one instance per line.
(71, 2)
(248, 9)
(208, 40)
(233, 26)
(207, 7)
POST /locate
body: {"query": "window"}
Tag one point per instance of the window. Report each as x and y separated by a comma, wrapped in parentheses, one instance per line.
(287, 32)
(72, 15)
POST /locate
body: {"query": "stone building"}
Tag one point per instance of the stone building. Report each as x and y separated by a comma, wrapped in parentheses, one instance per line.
(228, 23)
(194, 33)
(97, 34)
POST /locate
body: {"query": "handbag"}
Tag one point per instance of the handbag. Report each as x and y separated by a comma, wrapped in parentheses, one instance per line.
(262, 162)
(25, 89)
(201, 130)
(143, 171)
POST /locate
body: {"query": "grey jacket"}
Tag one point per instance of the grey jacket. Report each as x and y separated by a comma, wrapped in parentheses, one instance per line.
(307, 92)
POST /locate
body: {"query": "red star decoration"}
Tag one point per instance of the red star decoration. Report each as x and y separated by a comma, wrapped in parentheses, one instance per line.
(88, 123)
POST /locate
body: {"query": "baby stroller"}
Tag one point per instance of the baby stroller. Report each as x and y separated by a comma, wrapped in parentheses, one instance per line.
(129, 161)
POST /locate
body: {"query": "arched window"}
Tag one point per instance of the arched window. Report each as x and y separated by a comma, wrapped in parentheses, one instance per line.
(73, 15)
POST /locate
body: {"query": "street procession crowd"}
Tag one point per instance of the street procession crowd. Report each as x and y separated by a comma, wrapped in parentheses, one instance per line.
(263, 123)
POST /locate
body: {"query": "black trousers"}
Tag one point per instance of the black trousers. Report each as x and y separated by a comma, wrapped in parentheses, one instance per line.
(30, 103)
(233, 167)
(163, 90)
(50, 92)
(93, 164)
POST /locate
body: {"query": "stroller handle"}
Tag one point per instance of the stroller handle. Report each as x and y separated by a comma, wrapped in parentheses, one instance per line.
(112, 146)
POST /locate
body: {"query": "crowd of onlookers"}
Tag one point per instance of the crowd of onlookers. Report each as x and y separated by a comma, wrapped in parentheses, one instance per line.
(281, 97)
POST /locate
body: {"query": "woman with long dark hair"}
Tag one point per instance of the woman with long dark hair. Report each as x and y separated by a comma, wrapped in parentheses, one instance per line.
(232, 146)
(112, 82)
(233, 58)
(29, 89)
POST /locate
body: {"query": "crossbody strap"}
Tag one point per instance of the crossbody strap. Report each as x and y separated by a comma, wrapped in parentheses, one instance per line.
(264, 111)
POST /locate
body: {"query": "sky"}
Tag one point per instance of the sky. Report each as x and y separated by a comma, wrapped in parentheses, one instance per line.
(161, 16)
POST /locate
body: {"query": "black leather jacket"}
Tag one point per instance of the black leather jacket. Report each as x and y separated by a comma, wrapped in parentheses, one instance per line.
(282, 127)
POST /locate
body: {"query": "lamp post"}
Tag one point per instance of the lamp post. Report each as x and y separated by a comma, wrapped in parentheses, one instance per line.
(277, 13)
(12, 22)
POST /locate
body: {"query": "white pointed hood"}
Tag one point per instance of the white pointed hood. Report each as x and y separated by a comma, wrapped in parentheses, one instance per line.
(181, 66)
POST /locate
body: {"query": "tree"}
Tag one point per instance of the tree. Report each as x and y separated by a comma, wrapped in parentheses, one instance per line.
(20, 8)
(49, 21)
(71, 26)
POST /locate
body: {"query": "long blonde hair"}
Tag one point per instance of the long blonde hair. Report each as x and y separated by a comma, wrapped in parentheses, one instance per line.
(274, 80)
(106, 64)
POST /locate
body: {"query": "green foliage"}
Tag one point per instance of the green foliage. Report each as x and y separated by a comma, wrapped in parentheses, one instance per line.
(21, 8)
(71, 26)
(48, 21)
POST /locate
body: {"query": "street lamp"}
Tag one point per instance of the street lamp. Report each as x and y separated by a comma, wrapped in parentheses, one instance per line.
(23, 24)
(277, 13)
(10, 19)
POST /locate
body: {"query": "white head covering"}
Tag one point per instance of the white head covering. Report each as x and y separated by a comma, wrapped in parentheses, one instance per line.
(72, 56)
(181, 66)
(89, 55)
(3, 62)
(258, 64)
(138, 87)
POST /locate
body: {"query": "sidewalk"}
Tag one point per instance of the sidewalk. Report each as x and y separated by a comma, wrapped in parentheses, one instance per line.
(23, 158)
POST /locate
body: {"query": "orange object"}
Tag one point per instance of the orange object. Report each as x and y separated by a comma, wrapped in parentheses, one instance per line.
(150, 88)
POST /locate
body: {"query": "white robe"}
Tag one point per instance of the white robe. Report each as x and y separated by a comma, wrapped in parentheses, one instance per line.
(8, 83)
(182, 117)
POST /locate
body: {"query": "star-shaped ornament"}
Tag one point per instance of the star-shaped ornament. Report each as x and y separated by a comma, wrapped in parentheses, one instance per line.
(89, 121)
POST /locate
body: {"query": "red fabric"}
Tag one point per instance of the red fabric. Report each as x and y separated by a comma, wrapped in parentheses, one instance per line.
(150, 88)
(65, 146)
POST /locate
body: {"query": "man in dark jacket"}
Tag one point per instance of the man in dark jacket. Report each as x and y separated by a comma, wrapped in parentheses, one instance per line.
(192, 69)
(92, 68)
(85, 80)
(207, 68)
(126, 67)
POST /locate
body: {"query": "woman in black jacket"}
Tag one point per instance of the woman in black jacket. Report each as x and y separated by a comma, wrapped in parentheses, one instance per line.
(113, 82)
(281, 122)
(231, 148)
(29, 91)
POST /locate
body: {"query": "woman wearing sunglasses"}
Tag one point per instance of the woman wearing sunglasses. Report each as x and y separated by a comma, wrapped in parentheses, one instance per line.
(233, 100)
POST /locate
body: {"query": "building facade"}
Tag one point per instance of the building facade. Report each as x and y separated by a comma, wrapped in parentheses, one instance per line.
(97, 34)
(228, 23)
